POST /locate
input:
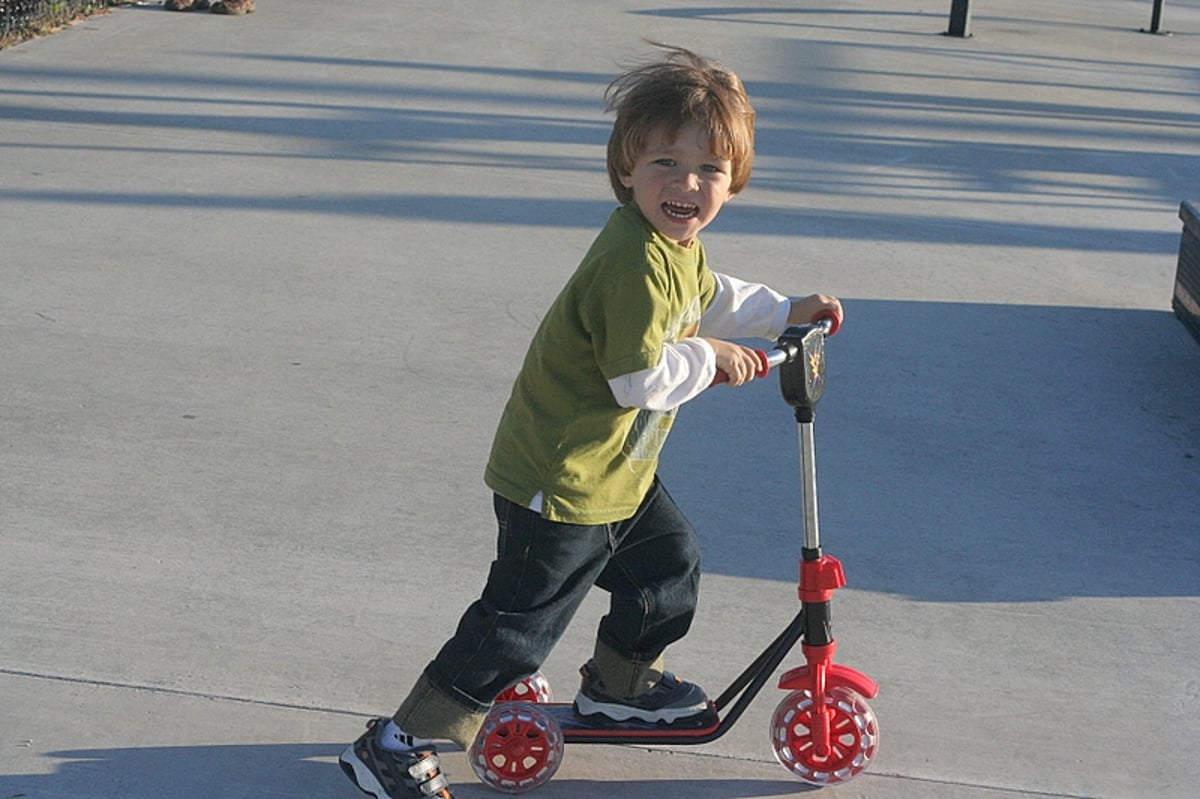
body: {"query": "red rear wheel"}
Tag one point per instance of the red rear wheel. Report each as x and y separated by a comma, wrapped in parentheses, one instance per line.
(534, 688)
(518, 748)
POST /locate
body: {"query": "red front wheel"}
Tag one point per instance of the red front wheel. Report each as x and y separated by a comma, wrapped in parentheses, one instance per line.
(853, 736)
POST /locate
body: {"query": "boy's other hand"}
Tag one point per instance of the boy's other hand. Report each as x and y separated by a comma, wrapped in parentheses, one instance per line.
(739, 364)
(806, 309)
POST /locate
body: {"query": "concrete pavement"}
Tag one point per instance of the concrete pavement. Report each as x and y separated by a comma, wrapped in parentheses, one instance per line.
(264, 283)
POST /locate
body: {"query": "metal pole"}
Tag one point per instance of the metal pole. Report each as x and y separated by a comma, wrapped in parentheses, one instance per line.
(808, 486)
(960, 18)
(1156, 19)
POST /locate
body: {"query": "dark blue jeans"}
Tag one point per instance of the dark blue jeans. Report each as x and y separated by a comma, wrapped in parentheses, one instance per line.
(649, 564)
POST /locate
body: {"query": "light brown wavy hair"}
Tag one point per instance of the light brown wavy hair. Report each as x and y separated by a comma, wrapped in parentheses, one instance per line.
(683, 88)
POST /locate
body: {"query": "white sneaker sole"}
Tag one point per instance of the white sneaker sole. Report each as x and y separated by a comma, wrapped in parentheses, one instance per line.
(362, 775)
(587, 707)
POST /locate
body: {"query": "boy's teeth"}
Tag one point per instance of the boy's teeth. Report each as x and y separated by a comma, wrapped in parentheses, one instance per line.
(676, 209)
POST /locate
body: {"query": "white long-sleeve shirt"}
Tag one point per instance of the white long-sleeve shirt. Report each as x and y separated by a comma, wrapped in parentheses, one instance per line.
(739, 309)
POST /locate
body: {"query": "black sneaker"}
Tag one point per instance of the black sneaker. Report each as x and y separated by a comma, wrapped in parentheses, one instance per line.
(393, 775)
(671, 700)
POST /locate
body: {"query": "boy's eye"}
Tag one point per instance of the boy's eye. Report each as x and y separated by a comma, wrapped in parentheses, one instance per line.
(665, 161)
(711, 168)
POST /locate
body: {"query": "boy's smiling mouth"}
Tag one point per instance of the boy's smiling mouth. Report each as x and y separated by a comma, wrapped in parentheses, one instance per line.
(677, 210)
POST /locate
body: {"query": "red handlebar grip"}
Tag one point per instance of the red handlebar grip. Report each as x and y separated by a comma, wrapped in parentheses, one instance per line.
(835, 319)
(764, 368)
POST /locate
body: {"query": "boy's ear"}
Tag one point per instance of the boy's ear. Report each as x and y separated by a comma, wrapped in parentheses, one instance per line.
(626, 181)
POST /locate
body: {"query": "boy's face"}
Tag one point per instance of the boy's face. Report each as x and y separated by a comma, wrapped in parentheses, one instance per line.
(680, 186)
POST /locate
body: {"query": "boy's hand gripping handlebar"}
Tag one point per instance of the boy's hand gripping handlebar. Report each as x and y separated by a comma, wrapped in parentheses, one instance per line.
(829, 323)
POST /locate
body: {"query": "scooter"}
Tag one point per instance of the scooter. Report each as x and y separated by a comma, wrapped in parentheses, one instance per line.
(823, 731)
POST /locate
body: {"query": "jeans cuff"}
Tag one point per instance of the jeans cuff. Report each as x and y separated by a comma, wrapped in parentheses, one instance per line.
(428, 712)
(625, 677)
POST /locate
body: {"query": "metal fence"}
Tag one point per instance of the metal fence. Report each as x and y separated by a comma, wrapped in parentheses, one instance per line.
(960, 18)
(22, 18)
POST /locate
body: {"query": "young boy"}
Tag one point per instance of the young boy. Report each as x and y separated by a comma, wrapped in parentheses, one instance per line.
(638, 330)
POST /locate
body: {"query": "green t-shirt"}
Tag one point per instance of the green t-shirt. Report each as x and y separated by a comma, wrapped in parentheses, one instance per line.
(562, 434)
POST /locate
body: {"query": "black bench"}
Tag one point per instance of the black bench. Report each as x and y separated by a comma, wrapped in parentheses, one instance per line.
(1186, 301)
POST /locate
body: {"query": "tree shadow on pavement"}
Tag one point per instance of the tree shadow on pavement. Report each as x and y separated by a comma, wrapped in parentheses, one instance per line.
(967, 452)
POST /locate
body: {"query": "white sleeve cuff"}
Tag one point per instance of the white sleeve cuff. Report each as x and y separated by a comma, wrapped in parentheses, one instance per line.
(740, 309)
(685, 369)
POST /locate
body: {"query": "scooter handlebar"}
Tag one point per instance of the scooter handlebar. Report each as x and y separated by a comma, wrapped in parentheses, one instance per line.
(828, 320)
